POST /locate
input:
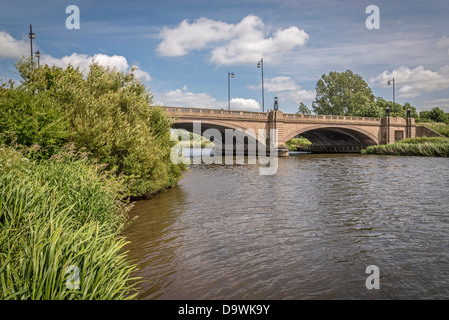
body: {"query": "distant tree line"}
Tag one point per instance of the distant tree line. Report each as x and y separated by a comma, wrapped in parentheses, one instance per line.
(347, 94)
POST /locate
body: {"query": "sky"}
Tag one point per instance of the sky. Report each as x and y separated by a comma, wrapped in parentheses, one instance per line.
(184, 50)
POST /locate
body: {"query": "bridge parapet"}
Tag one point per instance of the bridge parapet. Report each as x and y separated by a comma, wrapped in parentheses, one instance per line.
(204, 111)
(329, 117)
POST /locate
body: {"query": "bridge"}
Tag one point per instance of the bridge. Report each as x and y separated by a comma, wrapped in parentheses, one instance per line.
(328, 133)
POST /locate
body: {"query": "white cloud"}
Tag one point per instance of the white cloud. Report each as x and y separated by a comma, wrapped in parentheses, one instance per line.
(413, 82)
(287, 89)
(231, 44)
(443, 103)
(185, 98)
(83, 61)
(12, 48)
(244, 104)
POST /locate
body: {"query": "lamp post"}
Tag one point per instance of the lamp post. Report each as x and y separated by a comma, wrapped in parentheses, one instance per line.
(394, 102)
(31, 36)
(387, 111)
(230, 74)
(38, 55)
(260, 66)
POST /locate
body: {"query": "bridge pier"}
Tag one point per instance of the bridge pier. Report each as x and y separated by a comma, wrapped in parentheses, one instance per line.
(276, 125)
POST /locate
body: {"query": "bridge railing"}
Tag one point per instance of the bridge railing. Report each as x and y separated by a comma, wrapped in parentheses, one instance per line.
(204, 111)
(215, 111)
(329, 117)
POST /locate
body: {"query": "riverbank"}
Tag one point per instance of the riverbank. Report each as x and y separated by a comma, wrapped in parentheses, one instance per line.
(73, 151)
(61, 222)
(430, 147)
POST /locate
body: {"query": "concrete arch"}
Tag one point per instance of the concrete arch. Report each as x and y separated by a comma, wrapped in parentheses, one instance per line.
(241, 134)
(323, 134)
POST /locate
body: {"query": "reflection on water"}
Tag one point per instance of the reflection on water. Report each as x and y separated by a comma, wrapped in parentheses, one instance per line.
(308, 232)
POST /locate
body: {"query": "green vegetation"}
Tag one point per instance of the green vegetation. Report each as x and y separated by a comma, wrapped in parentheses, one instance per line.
(107, 112)
(195, 141)
(431, 147)
(435, 114)
(303, 109)
(74, 147)
(61, 212)
(298, 142)
(347, 94)
(342, 94)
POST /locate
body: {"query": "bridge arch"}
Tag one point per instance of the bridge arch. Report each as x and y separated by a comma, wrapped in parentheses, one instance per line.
(241, 135)
(328, 135)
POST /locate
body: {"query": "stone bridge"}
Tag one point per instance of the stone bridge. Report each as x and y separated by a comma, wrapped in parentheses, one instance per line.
(327, 133)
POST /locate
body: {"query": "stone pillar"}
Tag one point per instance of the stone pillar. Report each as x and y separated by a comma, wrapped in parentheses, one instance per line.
(411, 128)
(276, 122)
(385, 131)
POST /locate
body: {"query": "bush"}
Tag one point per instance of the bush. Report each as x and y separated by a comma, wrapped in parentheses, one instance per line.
(107, 112)
(431, 147)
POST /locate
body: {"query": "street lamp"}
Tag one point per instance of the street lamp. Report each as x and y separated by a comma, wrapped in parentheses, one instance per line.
(394, 102)
(31, 36)
(260, 66)
(230, 74)
(38, 55)
(276, 106)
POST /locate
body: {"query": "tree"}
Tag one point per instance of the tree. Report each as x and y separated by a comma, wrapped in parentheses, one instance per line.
(302, 109)
(106, 112)
(436, 114)
(341, 94)
(397, 109)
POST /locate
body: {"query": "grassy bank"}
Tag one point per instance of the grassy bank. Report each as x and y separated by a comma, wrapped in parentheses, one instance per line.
(58, 213)
(298, 142)
(431, 147)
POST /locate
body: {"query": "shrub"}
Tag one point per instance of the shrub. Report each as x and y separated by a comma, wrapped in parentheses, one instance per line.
(107, 112)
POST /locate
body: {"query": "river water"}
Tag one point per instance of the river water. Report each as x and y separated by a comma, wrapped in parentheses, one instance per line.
(308, 232)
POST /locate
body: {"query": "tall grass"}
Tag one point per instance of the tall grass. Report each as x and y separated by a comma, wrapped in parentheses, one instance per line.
(430, 147)
(57, 213)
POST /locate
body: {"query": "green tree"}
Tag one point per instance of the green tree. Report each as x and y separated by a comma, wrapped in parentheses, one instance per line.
(109, 113)
(436, 114)
(302, 109)
(341, 94)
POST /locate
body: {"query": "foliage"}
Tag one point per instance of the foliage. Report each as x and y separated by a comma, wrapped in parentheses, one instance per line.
(435, 114)
(431, 147)
(107, 112)
(341, 94)
(65, 211)
(303, 109)
(298, 142)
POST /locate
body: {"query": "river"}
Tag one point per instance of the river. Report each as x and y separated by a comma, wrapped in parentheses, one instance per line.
(308, 232)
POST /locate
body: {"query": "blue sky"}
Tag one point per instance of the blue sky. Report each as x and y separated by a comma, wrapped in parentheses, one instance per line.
(184, 49)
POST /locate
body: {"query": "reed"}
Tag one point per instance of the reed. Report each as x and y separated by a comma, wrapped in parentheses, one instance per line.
(57, 213)
(430, 147)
